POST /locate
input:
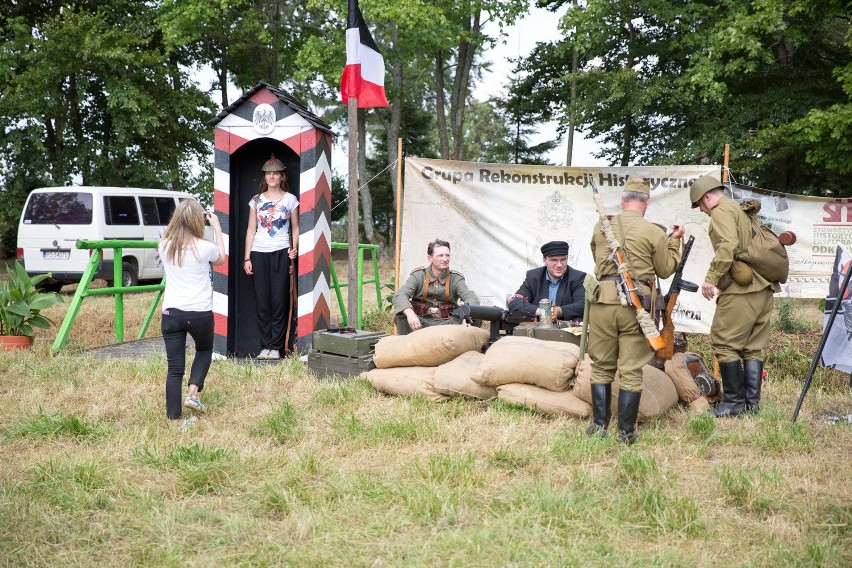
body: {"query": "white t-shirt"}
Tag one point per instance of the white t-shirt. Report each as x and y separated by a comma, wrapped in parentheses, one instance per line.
(273, 222)
(188, 287)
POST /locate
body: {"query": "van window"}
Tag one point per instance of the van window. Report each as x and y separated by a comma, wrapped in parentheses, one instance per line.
(157, 210)
(120, 210)
(61, 208)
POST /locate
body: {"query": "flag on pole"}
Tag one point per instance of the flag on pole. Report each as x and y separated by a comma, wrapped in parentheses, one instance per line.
(364, 75)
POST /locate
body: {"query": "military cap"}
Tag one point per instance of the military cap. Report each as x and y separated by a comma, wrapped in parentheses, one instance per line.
(555, 248)
(701, 186)
(273, 164)
(638, 185)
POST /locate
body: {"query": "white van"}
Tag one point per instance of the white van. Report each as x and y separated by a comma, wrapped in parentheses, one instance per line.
(54, 218)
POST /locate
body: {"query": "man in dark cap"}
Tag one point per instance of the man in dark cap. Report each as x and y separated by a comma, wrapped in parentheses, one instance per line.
(555, 280)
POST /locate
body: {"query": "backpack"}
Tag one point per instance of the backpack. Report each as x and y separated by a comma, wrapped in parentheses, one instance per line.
(765, 255)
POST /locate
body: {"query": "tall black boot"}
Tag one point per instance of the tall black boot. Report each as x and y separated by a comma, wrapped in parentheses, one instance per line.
(753, 371)
(601, 397)
(628, 411)
(734, 386)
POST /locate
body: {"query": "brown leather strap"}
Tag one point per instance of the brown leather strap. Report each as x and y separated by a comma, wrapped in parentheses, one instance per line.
(618, 279)
(426, 287)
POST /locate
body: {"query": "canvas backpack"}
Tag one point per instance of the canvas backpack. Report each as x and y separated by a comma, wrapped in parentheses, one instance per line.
(765, 255)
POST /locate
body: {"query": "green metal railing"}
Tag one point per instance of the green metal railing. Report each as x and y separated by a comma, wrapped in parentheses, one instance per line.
(83, 290)
(337, 285)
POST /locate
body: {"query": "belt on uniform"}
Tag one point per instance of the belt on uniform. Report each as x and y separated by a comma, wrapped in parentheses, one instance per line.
(618, 279)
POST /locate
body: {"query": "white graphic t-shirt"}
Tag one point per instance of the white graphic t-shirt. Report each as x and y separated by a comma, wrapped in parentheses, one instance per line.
(273, 222)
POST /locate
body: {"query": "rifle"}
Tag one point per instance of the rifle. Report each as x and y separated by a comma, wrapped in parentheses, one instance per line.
(678, 285)
(625, 286)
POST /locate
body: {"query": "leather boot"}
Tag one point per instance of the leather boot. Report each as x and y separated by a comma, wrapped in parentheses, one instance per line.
(628, 411)
(734, 387)
(601, 396)
(753, 371)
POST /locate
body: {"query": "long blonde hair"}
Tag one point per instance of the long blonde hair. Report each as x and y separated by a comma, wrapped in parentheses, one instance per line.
(186, 226)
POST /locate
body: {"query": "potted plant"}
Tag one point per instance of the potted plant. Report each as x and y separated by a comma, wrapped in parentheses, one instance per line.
(20, 308)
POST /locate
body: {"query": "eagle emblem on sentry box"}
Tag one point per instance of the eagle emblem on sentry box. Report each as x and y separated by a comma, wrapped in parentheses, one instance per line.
(555, 212)
(263, 118)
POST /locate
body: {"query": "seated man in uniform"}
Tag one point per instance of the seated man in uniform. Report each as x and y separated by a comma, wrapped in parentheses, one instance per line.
(431, 293)
(555, 280)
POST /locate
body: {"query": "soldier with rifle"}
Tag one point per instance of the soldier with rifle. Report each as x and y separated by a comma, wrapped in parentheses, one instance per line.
(628, 251)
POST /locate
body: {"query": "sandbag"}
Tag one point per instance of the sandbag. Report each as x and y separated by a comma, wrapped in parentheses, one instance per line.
(429, 346)
(685, 385)
(547, 364)
(658, 391)
(453, 378)
(582, 388)
(544, 400)
(406, 381)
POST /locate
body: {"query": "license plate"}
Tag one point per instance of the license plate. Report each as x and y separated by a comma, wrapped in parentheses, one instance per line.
(56, 254)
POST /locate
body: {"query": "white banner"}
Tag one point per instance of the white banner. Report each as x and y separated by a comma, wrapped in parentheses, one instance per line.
(497, 216)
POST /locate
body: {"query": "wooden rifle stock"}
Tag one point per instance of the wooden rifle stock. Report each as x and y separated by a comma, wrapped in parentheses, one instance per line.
(666, 352)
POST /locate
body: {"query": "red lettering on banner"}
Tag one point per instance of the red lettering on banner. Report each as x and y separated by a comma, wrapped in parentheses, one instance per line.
(834, 209)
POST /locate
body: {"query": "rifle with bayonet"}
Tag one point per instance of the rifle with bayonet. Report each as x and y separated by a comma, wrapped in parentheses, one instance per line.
(678, 285)
(626, 287)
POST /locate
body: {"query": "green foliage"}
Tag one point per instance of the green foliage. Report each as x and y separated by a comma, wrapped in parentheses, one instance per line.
(752, 489)
(282, 425)
(202, 468)
(21, 303)
(786, 320)
(55, 424)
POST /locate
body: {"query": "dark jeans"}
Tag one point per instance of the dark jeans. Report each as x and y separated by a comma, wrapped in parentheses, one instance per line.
(175, 325)
(272, 296)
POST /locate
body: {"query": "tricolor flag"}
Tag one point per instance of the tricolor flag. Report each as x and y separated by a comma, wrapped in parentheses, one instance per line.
(364, 74)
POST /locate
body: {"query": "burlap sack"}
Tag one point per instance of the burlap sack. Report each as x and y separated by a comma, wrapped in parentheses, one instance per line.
(428, 347)
(544, 400)
(658, 391)
(687, 390)
(582, 388)
(406, 381)
(547, 364)
(453, 378)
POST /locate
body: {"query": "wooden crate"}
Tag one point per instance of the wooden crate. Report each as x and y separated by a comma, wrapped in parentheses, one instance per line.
(547, 333)
(329, 365)
(346, 341)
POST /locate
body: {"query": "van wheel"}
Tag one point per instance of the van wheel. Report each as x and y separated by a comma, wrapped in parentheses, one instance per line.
(129, 277)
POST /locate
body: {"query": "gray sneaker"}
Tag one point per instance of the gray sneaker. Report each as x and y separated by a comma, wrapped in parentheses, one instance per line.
(273, 354)
(264, 354)
(193, 403)
(188, 423)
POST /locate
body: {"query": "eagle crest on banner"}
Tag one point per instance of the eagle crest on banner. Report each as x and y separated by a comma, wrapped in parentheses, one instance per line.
(263, 118)
(555, 212)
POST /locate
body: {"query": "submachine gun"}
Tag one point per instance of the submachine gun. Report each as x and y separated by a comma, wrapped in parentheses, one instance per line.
(678, 285)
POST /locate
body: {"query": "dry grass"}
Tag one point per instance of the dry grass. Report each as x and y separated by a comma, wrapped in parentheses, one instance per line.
(287, 470)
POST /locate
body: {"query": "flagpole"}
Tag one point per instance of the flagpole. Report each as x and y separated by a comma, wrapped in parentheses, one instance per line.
(400, 162)
(352, 278)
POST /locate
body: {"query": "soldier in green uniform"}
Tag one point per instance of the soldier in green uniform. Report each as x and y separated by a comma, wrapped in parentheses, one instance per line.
(430, 292)
(615, 339)
(740, 328)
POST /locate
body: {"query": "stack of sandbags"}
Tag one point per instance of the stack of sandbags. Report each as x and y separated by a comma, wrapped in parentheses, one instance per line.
(658, 390)
(454, 378)
(687, 390)
(534, 373)
(408, 364)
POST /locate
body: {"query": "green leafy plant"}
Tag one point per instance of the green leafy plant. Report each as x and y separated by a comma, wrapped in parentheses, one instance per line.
(21, 303)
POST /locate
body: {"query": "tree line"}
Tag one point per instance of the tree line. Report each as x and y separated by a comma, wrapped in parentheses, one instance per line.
(107, 92)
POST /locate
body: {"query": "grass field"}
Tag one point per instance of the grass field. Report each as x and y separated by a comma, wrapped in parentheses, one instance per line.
(288, 470)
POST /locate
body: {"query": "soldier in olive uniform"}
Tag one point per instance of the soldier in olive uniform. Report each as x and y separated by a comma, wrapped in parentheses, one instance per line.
(740, 328)
(434, 284)
(615, 339)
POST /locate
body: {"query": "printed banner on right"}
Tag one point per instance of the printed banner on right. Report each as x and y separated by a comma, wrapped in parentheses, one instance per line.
(837, 352)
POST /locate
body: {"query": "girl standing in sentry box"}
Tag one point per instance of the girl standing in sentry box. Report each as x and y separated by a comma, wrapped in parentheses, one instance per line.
(188, 300)
(268, 251)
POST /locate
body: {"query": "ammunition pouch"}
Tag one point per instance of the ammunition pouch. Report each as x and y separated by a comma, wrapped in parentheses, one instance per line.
(442, 311)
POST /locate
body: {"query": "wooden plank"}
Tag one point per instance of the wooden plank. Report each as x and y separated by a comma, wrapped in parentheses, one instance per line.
(329, 366)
